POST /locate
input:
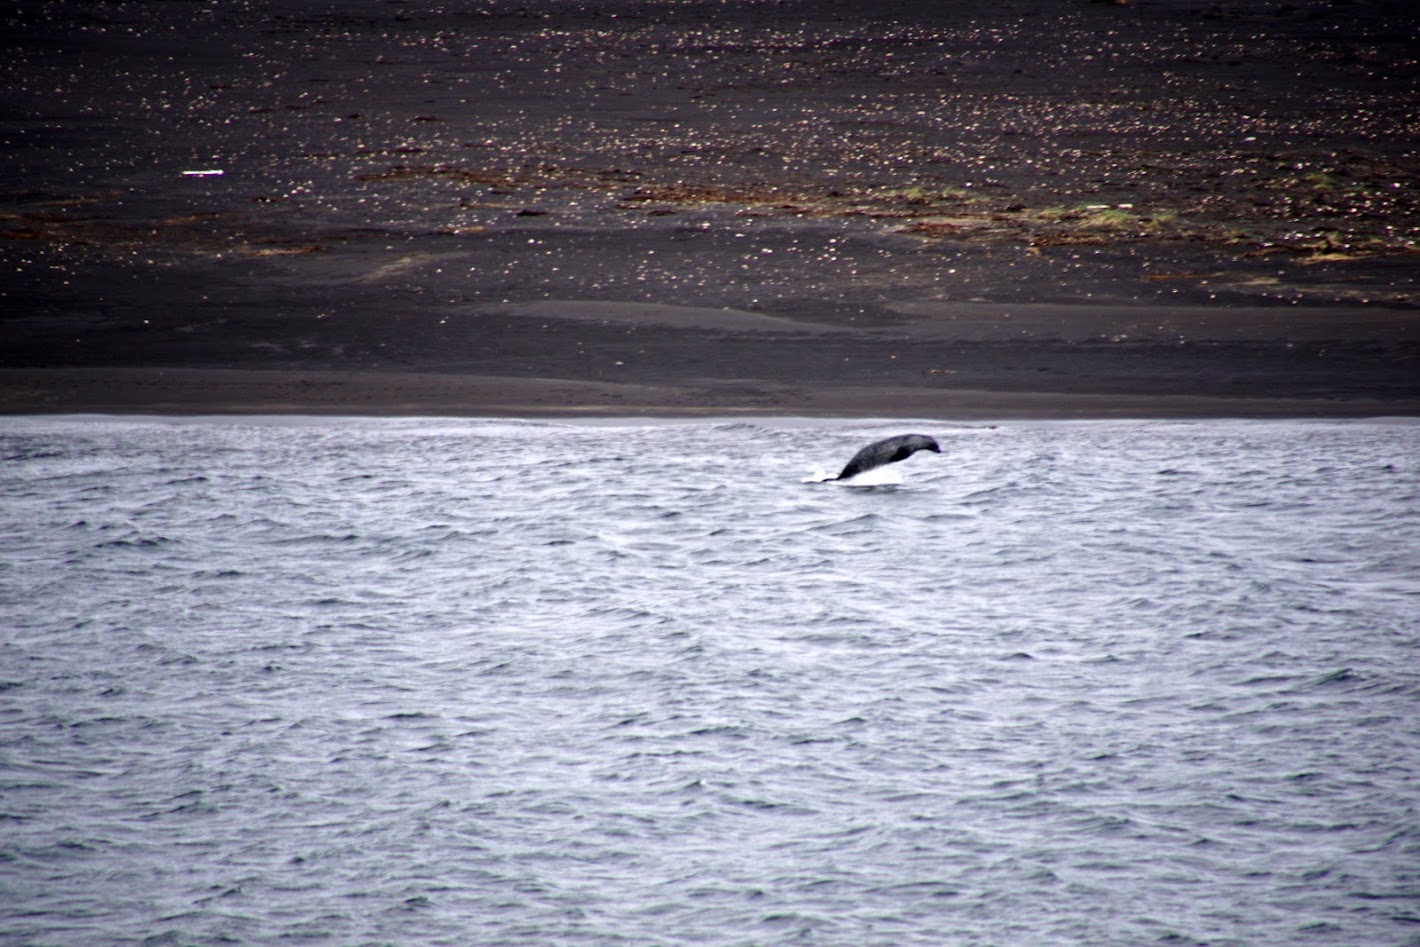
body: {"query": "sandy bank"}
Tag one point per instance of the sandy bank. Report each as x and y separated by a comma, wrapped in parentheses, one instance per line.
(219, 391)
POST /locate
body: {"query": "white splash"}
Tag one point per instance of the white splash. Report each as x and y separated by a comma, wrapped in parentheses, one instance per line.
(877, 477)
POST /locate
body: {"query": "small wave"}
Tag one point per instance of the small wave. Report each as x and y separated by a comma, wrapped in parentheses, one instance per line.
(741, 427)
(949, 516)
(1333, 678)
(319, 539)
(143, 542)
(852, 523)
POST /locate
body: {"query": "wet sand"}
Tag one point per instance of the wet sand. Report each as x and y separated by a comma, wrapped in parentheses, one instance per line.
(424, 394)
(1027, 208)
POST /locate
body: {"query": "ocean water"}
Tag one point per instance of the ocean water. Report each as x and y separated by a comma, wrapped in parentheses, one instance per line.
(479, 682)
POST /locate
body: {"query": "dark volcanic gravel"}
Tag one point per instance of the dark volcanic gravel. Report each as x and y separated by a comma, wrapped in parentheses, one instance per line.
(395, 175)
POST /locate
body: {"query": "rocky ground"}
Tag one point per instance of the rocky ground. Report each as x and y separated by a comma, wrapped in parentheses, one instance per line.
(769, 206)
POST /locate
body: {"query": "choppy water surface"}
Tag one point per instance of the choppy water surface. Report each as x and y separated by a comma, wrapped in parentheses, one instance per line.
(477, 682)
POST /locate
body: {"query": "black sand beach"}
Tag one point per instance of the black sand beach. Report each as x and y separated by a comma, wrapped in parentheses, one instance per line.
(1026, 208)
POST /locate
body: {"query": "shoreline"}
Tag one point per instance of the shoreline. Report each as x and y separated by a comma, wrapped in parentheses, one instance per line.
(192, 392)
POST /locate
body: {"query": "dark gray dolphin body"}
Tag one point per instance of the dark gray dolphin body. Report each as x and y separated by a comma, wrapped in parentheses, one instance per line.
(887, 451)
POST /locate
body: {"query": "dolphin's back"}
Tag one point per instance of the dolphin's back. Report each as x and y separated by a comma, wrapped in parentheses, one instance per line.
(887, 451)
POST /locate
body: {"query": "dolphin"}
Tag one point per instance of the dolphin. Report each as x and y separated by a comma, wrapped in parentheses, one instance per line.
(887, 451)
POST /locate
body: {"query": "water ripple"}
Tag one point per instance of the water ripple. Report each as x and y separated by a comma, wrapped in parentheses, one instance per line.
(498, 681)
